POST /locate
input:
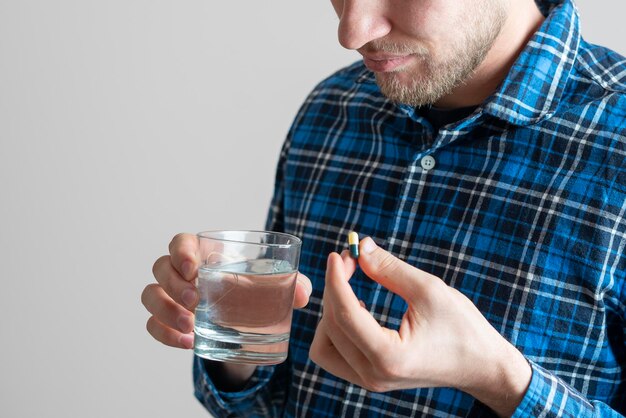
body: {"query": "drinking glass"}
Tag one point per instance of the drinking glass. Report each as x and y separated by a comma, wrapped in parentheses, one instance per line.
(246, 282)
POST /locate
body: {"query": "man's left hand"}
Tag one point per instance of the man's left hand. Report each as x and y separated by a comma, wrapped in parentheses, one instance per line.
(443, 340)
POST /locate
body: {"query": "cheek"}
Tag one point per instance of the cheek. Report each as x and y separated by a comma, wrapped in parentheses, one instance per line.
(428, 20)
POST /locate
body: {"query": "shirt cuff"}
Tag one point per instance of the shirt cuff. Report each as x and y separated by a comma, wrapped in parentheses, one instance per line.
(210, 396)
(549, 396)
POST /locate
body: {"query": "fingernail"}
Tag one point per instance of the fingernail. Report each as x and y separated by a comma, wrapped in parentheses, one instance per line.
(186, 340)
(368, 245)
(185, 324)
(189, 297)
(186, 269)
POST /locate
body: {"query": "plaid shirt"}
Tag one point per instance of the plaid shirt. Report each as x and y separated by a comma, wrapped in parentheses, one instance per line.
(523, 212)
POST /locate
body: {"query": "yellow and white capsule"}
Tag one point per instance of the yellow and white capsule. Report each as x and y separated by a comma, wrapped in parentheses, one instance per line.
(353, 244)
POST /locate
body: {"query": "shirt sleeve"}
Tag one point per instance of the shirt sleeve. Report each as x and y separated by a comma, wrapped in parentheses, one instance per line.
(263, 396)
(550, 397)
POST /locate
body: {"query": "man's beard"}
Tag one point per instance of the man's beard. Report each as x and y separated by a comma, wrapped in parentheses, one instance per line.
(431, 79)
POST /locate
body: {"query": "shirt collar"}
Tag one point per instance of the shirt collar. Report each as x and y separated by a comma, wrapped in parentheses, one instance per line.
(533, 88)
(535, 84)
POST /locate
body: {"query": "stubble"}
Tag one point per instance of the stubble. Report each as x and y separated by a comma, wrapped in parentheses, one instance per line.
(437, 73)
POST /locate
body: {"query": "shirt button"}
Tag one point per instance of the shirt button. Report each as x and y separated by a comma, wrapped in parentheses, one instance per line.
(428, 163)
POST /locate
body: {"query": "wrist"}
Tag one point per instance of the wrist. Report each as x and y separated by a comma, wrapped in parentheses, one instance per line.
(503, 380)
(229, 377)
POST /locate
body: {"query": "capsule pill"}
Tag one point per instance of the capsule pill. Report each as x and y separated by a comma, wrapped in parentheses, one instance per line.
(353, 244)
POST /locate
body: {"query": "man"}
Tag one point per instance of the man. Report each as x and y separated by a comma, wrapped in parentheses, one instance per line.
(480, 147)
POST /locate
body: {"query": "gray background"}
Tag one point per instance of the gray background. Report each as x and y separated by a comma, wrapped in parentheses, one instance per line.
(121, 124)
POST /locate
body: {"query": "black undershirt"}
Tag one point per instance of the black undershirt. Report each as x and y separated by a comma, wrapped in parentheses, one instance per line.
(441, 117)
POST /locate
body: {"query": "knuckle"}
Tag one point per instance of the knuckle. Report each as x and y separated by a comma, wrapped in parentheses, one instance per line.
(387, 265)
(379, 388)
(433, 286)
(157, 331)
(145, 294)
(389, 371)
(314, 352)
(150, 326)
(375, 385)
(170, 290)
(166, 284)
(379, 361)
(344, 318)
(177, 240)
(158, 263)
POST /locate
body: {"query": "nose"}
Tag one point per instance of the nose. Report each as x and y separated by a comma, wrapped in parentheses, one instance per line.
(361, 21)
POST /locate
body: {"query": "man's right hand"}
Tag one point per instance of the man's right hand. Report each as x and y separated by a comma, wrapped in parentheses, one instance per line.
(173, 298)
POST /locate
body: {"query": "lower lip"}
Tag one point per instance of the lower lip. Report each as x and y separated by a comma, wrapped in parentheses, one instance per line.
(382, 66)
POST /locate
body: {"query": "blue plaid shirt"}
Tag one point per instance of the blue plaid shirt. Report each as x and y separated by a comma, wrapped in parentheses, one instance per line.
(523, 212)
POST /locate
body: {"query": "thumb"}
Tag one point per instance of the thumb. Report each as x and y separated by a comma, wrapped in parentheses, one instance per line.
(392, 273)
(302, 292)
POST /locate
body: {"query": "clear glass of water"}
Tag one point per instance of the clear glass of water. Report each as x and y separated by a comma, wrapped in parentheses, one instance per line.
(246, 281)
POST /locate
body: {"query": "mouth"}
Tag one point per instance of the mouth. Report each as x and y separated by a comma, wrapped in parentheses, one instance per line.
(383, 63)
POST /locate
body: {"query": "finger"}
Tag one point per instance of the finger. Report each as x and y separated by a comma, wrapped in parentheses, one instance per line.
(392, 273)
(356, 322)
(303, 291)
(344, 346)
(184, 251)
(349, 264)
(180, 290)
(324, 354)
(167, 335)
(165, 310)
